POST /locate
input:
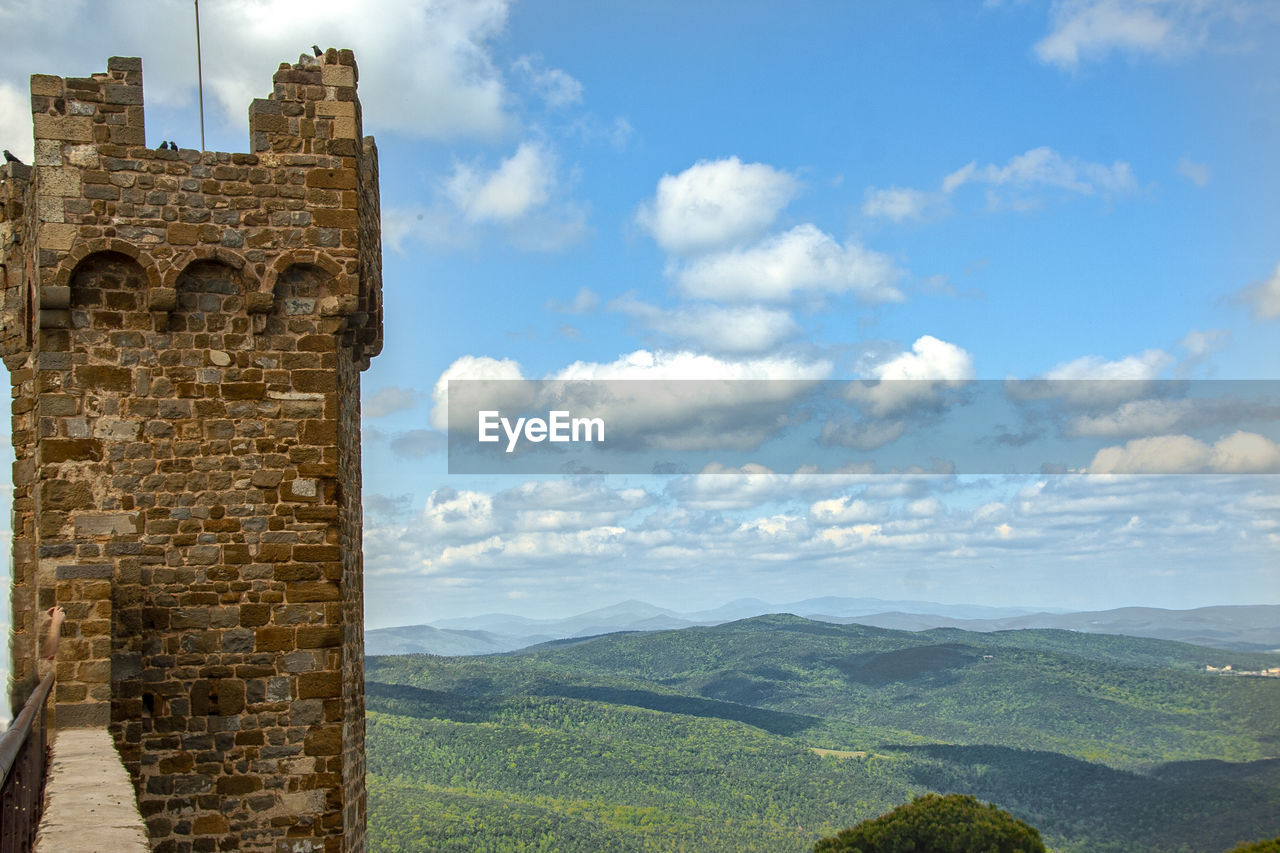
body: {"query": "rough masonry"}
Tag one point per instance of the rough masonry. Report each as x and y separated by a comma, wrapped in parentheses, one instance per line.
(185, 332)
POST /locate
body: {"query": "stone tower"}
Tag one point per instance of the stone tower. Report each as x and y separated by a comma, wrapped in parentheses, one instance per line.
(185, 332)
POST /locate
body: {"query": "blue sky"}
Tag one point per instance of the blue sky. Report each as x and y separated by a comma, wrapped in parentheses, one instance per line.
(1072, 189)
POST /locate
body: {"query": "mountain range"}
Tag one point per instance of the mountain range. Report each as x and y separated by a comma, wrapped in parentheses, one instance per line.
(765, 734)
(1233, 627)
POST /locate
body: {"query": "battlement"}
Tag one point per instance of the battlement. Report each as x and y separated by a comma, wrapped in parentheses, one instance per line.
(185, 332)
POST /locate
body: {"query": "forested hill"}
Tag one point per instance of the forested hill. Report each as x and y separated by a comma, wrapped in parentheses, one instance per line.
(769, 732)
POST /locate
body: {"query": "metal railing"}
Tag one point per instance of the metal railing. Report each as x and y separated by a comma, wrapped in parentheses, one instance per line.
(23, 763)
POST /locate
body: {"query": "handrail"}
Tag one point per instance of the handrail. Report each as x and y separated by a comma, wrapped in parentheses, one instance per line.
(23, 765)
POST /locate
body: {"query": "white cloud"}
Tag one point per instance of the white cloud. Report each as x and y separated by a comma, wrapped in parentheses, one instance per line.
(908, 380)
(1199, 344)
(845, 510)
(929, 358)
(522, 199)
(1238, 453)
(520, 184)
(1136, 417)
(715, 204)
(735, 330)
(418, 443)
(1196, 173)
(924, 507)
(554, 86)
(900, 203)
(391, 399)
(1263, 296)
(798, 262)
(679, 415)
(1093, 29)
(467, 367)
(1044, 167)
(1093, 381)
(435, 55)
(861, 435)
(643, 364)
(1147, 365)
(1018, 184)
(15, 120)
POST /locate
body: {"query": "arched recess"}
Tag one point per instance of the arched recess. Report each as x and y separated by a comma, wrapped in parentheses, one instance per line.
(209, 300)
(100, 287)
(81, 251)
(289, 262)
(164, 298)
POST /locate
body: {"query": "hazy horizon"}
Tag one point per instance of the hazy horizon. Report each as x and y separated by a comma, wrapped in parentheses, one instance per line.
(946, 193)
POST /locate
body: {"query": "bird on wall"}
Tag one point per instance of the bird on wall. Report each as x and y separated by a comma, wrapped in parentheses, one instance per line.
(315, 48)
(163, 146)
(9, 158)
(173, 146)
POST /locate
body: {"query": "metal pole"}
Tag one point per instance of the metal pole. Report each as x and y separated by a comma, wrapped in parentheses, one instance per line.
(200, 75)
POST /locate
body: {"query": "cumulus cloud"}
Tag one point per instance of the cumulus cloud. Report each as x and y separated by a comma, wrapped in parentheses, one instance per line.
(1082, 30)
(732, 330)
(846, 510)
(643, 364)
(861, 435)
(523, 198)
(720, 487)
(1239, 453)
(386, 401)
(1166, 416)
(468, 367)
(1263, 297)
(929, 358)
(715, 204)
(434, 54)
(665, 415)
(521, 183)
(1146, 365)
(747, 528)
(799, 262)
(912, 380)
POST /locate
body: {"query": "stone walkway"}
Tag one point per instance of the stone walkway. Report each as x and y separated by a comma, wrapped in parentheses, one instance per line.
(89, 804)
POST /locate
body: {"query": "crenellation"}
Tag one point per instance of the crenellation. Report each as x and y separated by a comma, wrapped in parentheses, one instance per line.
(185, 332)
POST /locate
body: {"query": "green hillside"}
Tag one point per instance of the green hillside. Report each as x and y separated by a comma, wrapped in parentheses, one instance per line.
(769, 733)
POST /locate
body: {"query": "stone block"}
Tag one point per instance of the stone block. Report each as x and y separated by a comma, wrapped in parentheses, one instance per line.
(106, 524)
(58, 237)
(66, 128)
(82, 572)
(82, 715)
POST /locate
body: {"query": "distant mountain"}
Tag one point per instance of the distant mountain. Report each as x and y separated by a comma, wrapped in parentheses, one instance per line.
(1241, 628)
(425, 639)
(811, 608)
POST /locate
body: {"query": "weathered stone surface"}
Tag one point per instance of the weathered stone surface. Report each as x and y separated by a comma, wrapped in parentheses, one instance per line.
(89, 798)
(184, 333)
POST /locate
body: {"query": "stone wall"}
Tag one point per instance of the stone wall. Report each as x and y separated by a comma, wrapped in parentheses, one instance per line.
(185, 332)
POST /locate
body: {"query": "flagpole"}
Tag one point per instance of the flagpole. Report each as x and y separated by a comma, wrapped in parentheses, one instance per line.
(200, 74)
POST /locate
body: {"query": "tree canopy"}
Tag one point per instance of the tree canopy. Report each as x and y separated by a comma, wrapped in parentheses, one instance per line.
(1269, 846)
(954, 823)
